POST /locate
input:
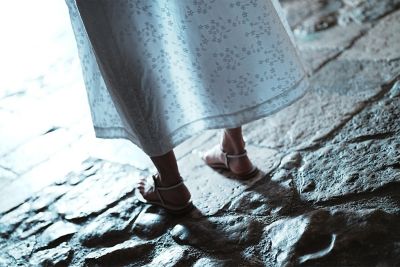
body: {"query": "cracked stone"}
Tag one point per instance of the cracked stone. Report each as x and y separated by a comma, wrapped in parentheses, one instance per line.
(217, 234)
(211, 189)
(343, 169)
(339, 97)
(319, 47)
(7, 174)
(35, 224)
(380, 43)
(131, 250)
(326, 238)
(395, 90)
(97, 192)
(378, 121)
(56, 233)
(170, 257)
(111, 225)
(59, 256)
(150, 225)
(11, 220)
(47, 196)
(362, 11)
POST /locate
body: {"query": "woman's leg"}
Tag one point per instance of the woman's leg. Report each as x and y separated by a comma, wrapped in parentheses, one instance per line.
(167, 167)
(168, 175)
(233, 144)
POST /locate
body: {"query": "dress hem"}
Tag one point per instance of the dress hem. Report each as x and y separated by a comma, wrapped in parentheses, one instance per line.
(198, 126)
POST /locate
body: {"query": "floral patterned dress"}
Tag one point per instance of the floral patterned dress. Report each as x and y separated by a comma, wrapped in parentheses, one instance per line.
(160, 71)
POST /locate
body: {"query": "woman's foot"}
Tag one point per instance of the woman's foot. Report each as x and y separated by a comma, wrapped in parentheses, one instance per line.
(231, 154)
(177, 196)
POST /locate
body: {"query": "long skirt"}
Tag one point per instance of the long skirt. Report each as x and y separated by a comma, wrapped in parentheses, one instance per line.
(157, 72)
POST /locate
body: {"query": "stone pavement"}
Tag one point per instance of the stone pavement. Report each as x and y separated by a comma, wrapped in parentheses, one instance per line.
(329, 190)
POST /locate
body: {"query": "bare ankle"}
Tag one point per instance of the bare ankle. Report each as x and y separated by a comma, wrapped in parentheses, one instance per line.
(233, 144)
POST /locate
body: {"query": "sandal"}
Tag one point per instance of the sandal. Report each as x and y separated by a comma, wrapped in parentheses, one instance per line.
(225, 165)
(177, 210)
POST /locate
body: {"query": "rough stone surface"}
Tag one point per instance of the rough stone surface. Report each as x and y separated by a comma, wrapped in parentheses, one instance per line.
(97, 192)
(328, 194)
(339, 97)
(217, 234)
(344, 169)
(112, 225)
(381, 43)
(361, 11)
(55, 233)
(211, 190)
(332, 238)
(150, 225)
(35, 223)
(48, 195)
(58, 256)
(11, 220)
(171, 257)
(119, 254)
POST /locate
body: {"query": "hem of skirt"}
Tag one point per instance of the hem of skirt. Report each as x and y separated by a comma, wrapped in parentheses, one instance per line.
(122, 133)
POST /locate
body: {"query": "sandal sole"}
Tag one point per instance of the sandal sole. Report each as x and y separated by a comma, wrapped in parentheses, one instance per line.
(179, 211)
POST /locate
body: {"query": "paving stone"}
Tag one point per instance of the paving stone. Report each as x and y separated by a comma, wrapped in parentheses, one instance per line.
(319, 47)
(57, 232)
(131, 251)
(11, 220)
(37, 150)
(331, 102)
(58, 256)
(7, 174)
(171, 257)
(343, 169)
(20, 251)
(36, 223)
(97, 192)
(111, 225)
(224, 234)
(382, 42)
(150, 225)
(361, 11)
(17, 134)
(47, 196)
(207, 262)
(333, 238)
(87, 168)
(211, 189)
(273, 197)
(377, 121)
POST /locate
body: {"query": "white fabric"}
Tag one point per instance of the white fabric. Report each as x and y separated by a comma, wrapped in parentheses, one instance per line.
(160, 71)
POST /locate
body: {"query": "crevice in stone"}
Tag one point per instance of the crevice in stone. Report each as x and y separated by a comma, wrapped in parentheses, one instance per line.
(391, 188)
(9, 170)
(323, 140)
(335, 56)
(52, 129)
(368, 137)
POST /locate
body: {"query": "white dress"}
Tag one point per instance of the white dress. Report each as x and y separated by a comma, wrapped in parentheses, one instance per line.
(160, 71)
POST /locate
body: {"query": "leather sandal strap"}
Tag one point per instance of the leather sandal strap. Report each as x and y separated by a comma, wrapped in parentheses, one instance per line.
(165, 188)
(233, 156)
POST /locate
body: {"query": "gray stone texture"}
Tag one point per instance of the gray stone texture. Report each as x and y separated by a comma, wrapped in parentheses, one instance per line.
(327, 195)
